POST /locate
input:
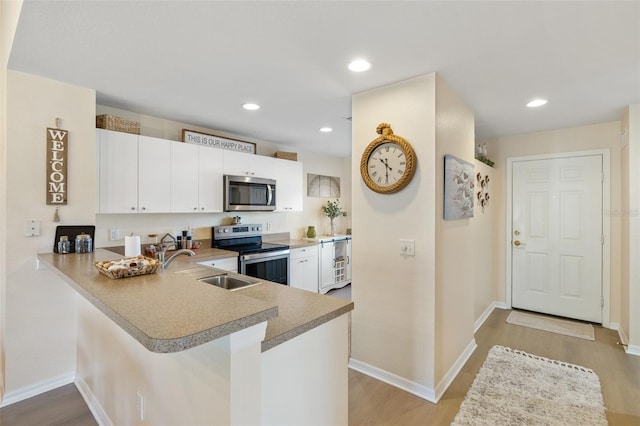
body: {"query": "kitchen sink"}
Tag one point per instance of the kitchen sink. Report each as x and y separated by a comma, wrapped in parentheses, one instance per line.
(229, 282)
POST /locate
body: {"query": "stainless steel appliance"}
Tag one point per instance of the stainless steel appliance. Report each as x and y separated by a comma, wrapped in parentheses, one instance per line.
(266, 261)
(247, 193)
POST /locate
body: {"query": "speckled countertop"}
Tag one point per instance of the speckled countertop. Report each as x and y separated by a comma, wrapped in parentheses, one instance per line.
(171, 310)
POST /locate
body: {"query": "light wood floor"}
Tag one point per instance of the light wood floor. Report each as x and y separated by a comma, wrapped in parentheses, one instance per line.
(375, 403)
(372, 402)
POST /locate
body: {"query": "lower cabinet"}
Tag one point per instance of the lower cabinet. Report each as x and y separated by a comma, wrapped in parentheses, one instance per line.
(335, 263)
(304, 268)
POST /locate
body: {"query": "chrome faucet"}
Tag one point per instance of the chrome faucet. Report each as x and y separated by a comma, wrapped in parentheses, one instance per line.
(165, 262)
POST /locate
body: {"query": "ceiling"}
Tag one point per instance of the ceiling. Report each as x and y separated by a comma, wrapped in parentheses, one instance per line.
(198, 61)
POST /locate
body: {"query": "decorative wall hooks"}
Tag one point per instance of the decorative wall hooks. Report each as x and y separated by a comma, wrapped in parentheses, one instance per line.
(483, 194)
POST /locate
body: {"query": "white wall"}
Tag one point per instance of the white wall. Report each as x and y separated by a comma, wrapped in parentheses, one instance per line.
(597, 136)
(630, 276)
(393, 328)
(483, 228)
(414, 316)
(9, 14)
(455, 251)
(40, 327)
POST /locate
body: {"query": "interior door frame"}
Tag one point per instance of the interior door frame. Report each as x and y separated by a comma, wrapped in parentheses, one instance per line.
(606, 221)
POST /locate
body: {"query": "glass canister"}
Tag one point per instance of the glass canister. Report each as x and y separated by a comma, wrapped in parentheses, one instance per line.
(64, 245)
(84, 243)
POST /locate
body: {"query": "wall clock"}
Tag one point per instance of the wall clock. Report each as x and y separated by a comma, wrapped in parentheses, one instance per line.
(388, 163)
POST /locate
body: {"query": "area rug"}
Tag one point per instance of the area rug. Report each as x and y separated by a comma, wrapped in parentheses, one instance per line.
(554, 325)
(517, 388)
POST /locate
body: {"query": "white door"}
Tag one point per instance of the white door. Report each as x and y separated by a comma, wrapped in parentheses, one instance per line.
(557, 236)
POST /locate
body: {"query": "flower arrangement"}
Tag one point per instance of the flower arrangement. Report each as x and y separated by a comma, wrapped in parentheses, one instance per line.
(333, 209)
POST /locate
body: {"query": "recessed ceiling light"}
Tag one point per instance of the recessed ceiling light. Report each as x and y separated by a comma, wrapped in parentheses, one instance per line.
(536, 103)
(251, 107)
(326, 129)
(359, 65)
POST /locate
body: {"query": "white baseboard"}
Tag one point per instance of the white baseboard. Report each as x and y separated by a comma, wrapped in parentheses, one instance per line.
(414, 388)
(478, 323)
(448, 378)
(37, 389)
(92, 402)
(633, 350)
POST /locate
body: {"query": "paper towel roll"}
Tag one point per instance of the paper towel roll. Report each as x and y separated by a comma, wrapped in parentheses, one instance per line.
(132, 246)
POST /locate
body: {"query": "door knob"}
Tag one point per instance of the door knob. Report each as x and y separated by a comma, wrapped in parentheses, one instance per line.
(517, 243)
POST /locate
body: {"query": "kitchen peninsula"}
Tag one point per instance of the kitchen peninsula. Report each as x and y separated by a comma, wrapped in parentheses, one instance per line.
(166, 348)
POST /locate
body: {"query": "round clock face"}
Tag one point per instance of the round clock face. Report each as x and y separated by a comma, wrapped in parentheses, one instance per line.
(388, 164)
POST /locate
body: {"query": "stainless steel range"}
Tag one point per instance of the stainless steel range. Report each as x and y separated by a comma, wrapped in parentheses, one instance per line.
(266, 261)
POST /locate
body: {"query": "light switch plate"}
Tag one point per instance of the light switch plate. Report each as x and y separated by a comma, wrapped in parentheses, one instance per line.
(32, 228)
(408, 247)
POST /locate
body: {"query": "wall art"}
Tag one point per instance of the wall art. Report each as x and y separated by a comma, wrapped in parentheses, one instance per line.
(57, 183)
(323, 186)
(482, 196)
(458, 188)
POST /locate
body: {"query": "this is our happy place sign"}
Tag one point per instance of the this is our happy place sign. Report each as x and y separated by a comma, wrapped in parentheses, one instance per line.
(197, 138)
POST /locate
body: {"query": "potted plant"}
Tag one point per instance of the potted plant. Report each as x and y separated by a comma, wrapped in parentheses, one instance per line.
(332, 210)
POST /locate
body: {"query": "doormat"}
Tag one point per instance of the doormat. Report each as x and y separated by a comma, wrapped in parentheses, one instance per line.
(553, 325)
(517, 388)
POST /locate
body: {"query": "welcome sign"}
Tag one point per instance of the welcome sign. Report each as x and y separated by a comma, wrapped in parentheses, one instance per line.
(197, 138)
(57, 187)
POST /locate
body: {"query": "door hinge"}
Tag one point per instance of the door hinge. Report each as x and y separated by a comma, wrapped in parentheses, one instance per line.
(602, 302)
(602, 177)
(602, 239)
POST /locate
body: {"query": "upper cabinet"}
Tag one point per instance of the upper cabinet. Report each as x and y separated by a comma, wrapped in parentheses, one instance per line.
(241, 164)
(154, 179)
(184, 178)
(210, 187)
(141, 174)
(289, 185)
(118, 172)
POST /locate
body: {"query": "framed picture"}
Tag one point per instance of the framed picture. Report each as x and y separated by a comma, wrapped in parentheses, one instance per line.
(459, 180)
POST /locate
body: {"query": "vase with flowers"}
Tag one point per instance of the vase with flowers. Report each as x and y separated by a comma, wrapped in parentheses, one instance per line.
(332, 210)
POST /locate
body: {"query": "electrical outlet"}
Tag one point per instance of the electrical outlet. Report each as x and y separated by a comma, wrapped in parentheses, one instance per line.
(408, 247)
(114, 234)
(140, 405)
(268, 226)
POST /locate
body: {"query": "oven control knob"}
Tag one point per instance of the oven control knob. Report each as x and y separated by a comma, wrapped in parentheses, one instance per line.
(225, 230)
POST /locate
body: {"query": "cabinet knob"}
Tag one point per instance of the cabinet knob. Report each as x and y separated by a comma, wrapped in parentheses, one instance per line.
(195, 209)
(133, 208)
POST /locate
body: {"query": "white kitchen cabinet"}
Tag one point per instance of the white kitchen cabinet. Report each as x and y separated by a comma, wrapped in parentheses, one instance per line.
(210, 187)
(228, 264)
(335, 263)
(241, 164)
(117, 172)
(289, 185)
(184, 178)
(133, 173)
(304, 268)
(154, 178)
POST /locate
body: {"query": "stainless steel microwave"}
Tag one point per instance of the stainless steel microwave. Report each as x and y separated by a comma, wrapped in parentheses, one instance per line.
(248, 193)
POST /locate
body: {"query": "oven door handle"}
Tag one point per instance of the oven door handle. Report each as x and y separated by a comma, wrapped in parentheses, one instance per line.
(266, 255)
